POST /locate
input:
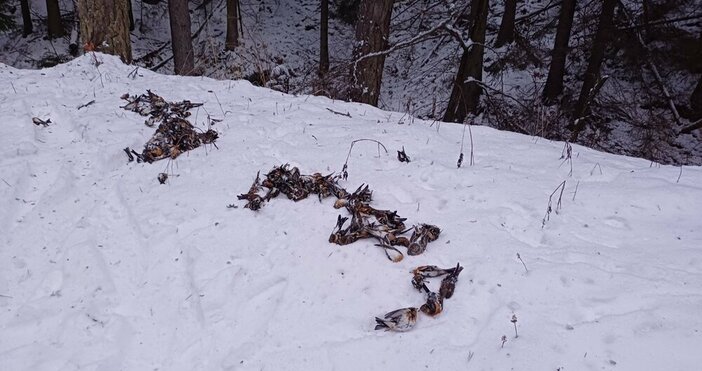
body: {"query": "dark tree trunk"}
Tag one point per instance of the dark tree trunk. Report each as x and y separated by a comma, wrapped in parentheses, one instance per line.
(104, 26)
(53, 17)
(506, 33)
(465, 95)
(232, 40)
(648, 33)
(324, 39)
(554, 81)
(183, 57)
(131, 15)
(26, 18)
(696, 100)
(592, 74)
(372, 32)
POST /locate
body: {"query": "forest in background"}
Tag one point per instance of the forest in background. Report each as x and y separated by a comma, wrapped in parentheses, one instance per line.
(620, 76)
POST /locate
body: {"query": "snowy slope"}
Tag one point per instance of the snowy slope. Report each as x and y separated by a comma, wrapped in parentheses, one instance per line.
(103, 268)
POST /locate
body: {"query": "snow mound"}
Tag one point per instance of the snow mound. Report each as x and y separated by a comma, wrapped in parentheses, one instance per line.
(103, 268)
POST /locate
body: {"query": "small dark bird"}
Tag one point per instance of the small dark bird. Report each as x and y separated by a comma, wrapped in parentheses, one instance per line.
(448, 284)
(428, 231)
(398, 320)
(416, 248)
(434, 304)
(418, 282)
(162, 177)
(340, 222)
(422, 235)
(37, 121)
(402, 156)
(428, 271)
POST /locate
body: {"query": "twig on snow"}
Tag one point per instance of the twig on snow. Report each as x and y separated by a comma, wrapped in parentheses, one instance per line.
(549, 208)
(344, 169)
(220, 103)
(470, 134)
(567, 156)
(86, 104)
(97, 64)
(134, 73)
(524, 264)
(347, 114)
(597, 165)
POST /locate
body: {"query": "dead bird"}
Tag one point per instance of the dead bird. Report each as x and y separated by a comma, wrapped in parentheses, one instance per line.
(416, 248)
(448, 284)
(428, 271)
(427, 231)
(422, 235)
(397, 240)
(418, 282)
(402, 156)
(357, 229)
(421, 273)
(37, 121)
(392, 253)
(254, 200)
(434, 304)
(398, 320)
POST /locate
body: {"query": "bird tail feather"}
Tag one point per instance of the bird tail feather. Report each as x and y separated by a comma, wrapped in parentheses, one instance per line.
(381, 325)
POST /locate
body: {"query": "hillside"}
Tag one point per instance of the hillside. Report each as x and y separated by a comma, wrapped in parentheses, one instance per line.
(103, 268)
(280, 49)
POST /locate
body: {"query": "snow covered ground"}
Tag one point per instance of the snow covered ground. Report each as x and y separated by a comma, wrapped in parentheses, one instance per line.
(103, 268)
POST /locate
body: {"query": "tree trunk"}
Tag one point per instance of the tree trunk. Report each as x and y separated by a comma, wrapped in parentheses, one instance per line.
(648, 33)
(183, 57)
(465, 95)
(26, 18)
(554, 81)
(324, 39)
(372, 32)
(131, 15)
(232, 40)
(696, 100)
(592, 75)
(104, 26)
(506, 33)
(53, 17)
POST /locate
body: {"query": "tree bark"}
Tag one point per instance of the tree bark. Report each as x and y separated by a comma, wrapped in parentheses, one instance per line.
(372, 33)
(696, 100)
(324, 39)
(648, 33)
(554, 81)
(53, 17)
(104, 26)
(232, 40)
(131, 15)
(183, 57)
(465, 95)
(27, 27)
(506, 33)
(592, 75)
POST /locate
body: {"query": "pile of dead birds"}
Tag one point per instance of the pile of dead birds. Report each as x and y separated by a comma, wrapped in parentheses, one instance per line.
(385, 226)
(174, 135)
(404, 319)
